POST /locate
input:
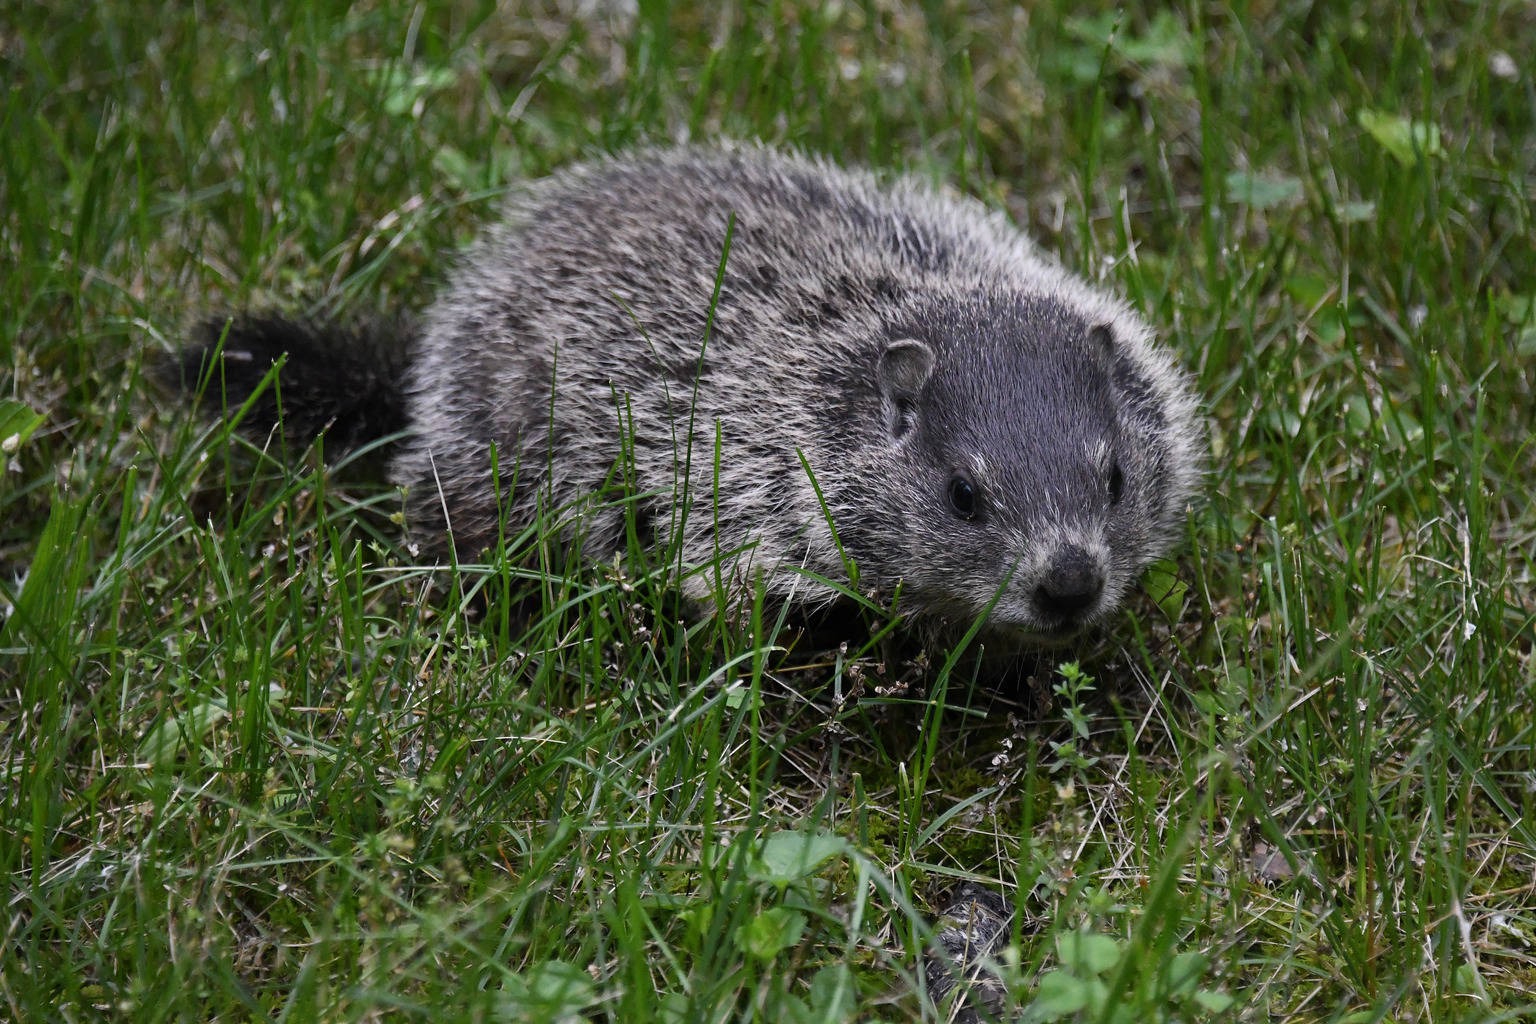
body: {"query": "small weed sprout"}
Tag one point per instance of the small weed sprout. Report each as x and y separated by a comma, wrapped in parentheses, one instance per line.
(1073, 685)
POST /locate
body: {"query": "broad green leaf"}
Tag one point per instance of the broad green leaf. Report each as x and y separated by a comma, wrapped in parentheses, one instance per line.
(1519, 311)
(1162, 582)
(1357, 211)
(551, 991)
(1165, 42)
(1087, 952)
(1264, 190)
(789, 856)
(1060, 994)
(161, 745)
(770, 933)
(834, 993)
(1185, 971)
(404, 89)
(1406, 140)
(17, 422)
(1214, 1002)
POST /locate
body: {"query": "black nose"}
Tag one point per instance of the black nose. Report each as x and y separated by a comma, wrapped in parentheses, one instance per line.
(1072, 584)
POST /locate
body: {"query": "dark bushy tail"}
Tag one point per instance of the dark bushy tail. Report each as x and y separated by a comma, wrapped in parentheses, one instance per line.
(346, 381)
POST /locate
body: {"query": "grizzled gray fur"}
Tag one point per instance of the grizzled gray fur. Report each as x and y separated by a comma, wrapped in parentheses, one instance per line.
(986, 430)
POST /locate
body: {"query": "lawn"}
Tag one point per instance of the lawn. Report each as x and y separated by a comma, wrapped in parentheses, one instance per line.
(259, 762)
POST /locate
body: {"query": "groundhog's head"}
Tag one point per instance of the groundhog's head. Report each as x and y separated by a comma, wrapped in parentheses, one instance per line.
(1036, 460)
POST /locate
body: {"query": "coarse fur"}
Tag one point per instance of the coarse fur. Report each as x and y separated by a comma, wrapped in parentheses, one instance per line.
(879, 376)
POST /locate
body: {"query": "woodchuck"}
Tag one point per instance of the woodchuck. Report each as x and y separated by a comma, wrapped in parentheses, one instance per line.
(804, 378)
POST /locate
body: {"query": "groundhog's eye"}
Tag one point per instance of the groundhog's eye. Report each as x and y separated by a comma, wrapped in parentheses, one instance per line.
(1116, 482)
(962, 496)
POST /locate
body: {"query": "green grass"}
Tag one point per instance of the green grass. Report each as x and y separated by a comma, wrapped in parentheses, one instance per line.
(257, 764)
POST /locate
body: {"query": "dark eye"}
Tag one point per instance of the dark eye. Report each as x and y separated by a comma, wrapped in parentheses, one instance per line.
(962, 496)
(1116, 482)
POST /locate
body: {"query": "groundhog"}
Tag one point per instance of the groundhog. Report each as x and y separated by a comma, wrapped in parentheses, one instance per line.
(803, 378)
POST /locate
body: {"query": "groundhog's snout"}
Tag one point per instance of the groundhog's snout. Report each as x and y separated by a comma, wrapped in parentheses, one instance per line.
(1072, 585)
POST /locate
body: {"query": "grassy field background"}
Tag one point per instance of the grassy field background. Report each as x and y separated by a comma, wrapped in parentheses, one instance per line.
(255, 763)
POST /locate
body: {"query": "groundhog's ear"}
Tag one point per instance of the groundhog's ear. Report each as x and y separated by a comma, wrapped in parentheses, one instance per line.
(905, 366)
(1101, 340)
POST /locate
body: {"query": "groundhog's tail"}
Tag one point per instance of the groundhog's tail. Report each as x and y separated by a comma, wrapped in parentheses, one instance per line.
(345, 380)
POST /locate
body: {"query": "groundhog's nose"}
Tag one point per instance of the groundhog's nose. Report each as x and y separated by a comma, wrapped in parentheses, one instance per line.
(1072, 584)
